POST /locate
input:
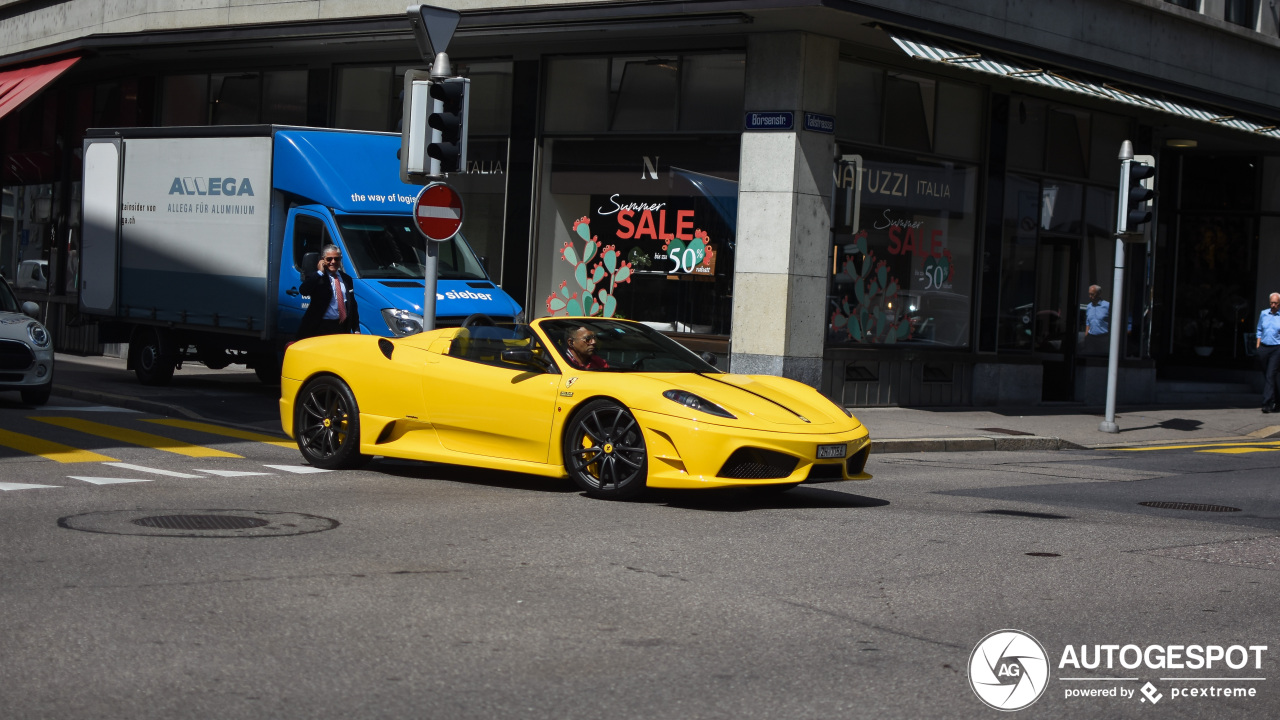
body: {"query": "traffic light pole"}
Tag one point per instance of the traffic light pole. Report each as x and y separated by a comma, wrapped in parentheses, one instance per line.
(1117, 291)
(1113, 361)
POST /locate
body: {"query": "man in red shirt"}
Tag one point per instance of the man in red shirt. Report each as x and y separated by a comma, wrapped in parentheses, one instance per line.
(582, 350)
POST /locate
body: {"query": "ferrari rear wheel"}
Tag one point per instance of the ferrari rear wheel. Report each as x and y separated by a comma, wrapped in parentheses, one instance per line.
(604, 451)
(327, 425)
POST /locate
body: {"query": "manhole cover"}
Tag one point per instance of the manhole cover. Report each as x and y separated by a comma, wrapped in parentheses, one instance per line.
(201, 522)
(198, 523)
(1196, 507)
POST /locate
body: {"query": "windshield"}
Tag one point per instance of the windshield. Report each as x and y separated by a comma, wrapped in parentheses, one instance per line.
(389, 247)
(8, 303)
(626, 347)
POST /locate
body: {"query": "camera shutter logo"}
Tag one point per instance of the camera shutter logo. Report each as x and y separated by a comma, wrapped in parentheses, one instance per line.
(1008, 670)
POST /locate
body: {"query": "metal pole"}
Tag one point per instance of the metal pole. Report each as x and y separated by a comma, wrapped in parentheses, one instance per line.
(430, 267)
(1117, 291)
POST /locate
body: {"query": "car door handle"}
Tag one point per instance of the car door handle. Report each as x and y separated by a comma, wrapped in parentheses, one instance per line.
(292, 292)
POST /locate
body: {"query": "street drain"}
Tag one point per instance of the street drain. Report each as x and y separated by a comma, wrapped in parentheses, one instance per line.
(198, 523)
(1040, 554)
(1196, 507)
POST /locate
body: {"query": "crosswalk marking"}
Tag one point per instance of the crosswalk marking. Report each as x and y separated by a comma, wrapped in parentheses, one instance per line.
(48, 449)
(108, 481)
(226, 432)
(232, 473)
(1203, 445)
(7, 486)
(134, 437)
(155, 471)
(1240, 450)
(299, 469)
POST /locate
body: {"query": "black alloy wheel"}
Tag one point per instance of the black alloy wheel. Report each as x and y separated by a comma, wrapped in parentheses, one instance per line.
(327, 425)
(604, 451)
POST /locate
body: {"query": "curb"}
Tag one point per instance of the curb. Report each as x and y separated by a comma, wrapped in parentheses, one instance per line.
(149, 406)
(971, 444)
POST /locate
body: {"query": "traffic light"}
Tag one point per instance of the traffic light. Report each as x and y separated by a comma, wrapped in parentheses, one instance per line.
(1138, 193)
(450, 100)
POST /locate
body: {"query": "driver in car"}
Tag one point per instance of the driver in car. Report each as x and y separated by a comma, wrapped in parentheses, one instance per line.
(581, 352)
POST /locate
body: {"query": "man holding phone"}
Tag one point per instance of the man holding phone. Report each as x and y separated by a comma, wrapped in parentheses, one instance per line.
(333, 308)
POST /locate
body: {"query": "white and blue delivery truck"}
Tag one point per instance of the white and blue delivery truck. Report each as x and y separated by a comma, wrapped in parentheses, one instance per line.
(195, 240)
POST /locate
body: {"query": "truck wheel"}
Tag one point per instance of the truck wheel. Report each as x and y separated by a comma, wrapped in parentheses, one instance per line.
(150, 364)
(267, 368)
(327, 425)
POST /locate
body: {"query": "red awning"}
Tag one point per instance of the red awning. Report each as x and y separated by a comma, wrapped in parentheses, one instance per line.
(17, 85)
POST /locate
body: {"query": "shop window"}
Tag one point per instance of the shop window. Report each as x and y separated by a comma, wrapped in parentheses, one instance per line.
(909, 111)
(1067, 142)
(364, 98)
(711, 94)
(1109, 131)
(236, 98)
(1223, 183)
(284, 97)
(643, 93)
(1270, 184)
(577, 95)
(640, 229)
(960, 134)
(859, 104)
(490, 97)
(1026, 133)
(1018, 277)
(185, 100)
(1060, 207)
(904, 274)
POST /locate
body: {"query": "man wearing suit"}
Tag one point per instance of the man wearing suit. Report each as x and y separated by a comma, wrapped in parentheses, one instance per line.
(330, 312)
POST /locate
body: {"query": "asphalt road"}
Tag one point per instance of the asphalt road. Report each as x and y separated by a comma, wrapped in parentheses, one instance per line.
(416, 591)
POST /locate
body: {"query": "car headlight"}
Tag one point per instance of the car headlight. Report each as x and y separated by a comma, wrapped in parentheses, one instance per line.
(694, 402)
(39, 336)
(402, 322)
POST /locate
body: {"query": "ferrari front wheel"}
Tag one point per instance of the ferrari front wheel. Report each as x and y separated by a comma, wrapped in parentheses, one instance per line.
(604, 451)
(327, 425)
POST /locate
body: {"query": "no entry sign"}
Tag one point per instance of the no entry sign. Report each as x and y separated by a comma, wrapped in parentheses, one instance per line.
(438, 212)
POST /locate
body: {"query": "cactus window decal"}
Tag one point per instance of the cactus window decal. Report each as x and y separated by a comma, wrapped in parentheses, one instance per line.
(898, 277)
(643, 230)
(589, 298)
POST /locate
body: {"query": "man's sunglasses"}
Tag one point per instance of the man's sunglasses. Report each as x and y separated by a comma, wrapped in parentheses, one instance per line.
(333, 259)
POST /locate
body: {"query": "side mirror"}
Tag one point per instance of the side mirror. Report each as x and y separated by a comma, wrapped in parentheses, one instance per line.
(31, 310)
(708, 358)
(523, 356)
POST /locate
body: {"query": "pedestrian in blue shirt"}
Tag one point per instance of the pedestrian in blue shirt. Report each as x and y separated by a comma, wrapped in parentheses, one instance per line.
(1097, 328)
(1269, 352)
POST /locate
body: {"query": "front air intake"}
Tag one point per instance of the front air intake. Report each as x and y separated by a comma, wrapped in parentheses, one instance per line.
(757, 464)
(858, 460)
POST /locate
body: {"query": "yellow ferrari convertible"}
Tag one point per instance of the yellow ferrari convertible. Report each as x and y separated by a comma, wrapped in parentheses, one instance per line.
(613, 404)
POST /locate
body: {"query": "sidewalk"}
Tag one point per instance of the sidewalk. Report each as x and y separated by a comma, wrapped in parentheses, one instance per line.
(235, 397)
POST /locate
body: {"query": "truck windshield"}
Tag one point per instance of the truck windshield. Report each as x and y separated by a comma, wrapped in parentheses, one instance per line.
(390, 247)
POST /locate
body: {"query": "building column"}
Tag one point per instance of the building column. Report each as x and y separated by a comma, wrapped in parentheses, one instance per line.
(783, 258)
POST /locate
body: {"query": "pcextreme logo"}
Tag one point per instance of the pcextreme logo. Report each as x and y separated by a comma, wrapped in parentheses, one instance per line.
(1009, 670)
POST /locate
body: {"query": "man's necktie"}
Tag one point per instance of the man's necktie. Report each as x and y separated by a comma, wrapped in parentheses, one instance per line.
(342, 303)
